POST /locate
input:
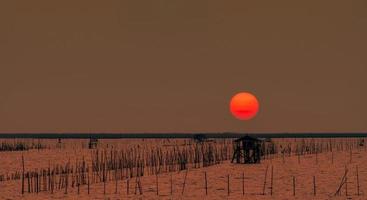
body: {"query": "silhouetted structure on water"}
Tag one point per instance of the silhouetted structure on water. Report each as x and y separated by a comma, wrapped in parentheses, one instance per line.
(93, 142)
(200, 138)
(247, 150)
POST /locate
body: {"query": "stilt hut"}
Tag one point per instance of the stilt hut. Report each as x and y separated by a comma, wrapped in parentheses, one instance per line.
(247, 150)
(199, 138)
(361, 142)
(93, 142)
(59, 143)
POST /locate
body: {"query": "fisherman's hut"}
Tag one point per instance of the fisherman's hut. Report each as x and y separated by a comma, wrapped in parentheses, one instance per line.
(247, 150)
(93, 142)
(199, 138)
(361, 142)
(59, 143)
(267, 147)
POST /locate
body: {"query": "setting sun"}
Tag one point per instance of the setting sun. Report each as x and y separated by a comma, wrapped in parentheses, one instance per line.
(244, 106)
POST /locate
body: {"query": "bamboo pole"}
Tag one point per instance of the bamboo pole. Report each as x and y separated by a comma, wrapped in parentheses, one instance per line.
(314, 186)
(136, 185)
(206, 184)
(29, 183)
(157, 184)
(140, 187)
(358, 186)
(66, 181)
(243, 183)
(346, 186)
(346, 183)
(266, 174)
(342, 182)
(52, 181)
(116, 181)
(78, 183)
(271, 180)
(228, 186)
(37, 189)
(171, 181)
(88, 178)
(104, 176)
(22, 174)
(127, 185)
(184, 183)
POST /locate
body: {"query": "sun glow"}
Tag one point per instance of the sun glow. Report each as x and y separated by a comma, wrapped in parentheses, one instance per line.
(244, 106)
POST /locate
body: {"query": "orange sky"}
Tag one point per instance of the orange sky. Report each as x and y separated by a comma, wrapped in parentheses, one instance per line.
(159, 66)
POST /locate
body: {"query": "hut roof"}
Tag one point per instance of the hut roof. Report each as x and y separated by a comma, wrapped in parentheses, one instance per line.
(247, 138)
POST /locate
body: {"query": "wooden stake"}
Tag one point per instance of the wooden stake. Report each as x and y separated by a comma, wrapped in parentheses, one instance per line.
(346, 186)
(52, 182)
(243, 183)
(36, 180)
(314, 186)
(104, 177)
(116, 181)
(346, 182)
(206, 184)
(342, 182)
(88, 178)
(228, 184)
(127, 185)
(156, 183)
(136, 185)
(294, 186)
(271, 181)
(29, 182)
(357, 181)
(266, 174)
(171, 181)
(184, 183)
(22, 174)
(140, 187)
(78, 184)
(66, 182)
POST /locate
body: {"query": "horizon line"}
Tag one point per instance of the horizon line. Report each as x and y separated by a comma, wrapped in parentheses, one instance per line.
(179, 135)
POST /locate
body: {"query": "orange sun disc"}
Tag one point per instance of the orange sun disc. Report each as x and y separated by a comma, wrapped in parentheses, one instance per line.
(244, 106)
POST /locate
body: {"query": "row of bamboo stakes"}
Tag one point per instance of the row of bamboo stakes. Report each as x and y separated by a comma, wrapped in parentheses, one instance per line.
(20, 145)
(135, 162)
(343, 184)
(37, 182)
(302, 147)
(118, 165)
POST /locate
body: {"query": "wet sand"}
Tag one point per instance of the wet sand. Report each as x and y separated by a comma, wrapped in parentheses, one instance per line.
(328, 174)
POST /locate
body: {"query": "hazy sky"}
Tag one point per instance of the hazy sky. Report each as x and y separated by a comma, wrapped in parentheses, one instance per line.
(173, 65)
